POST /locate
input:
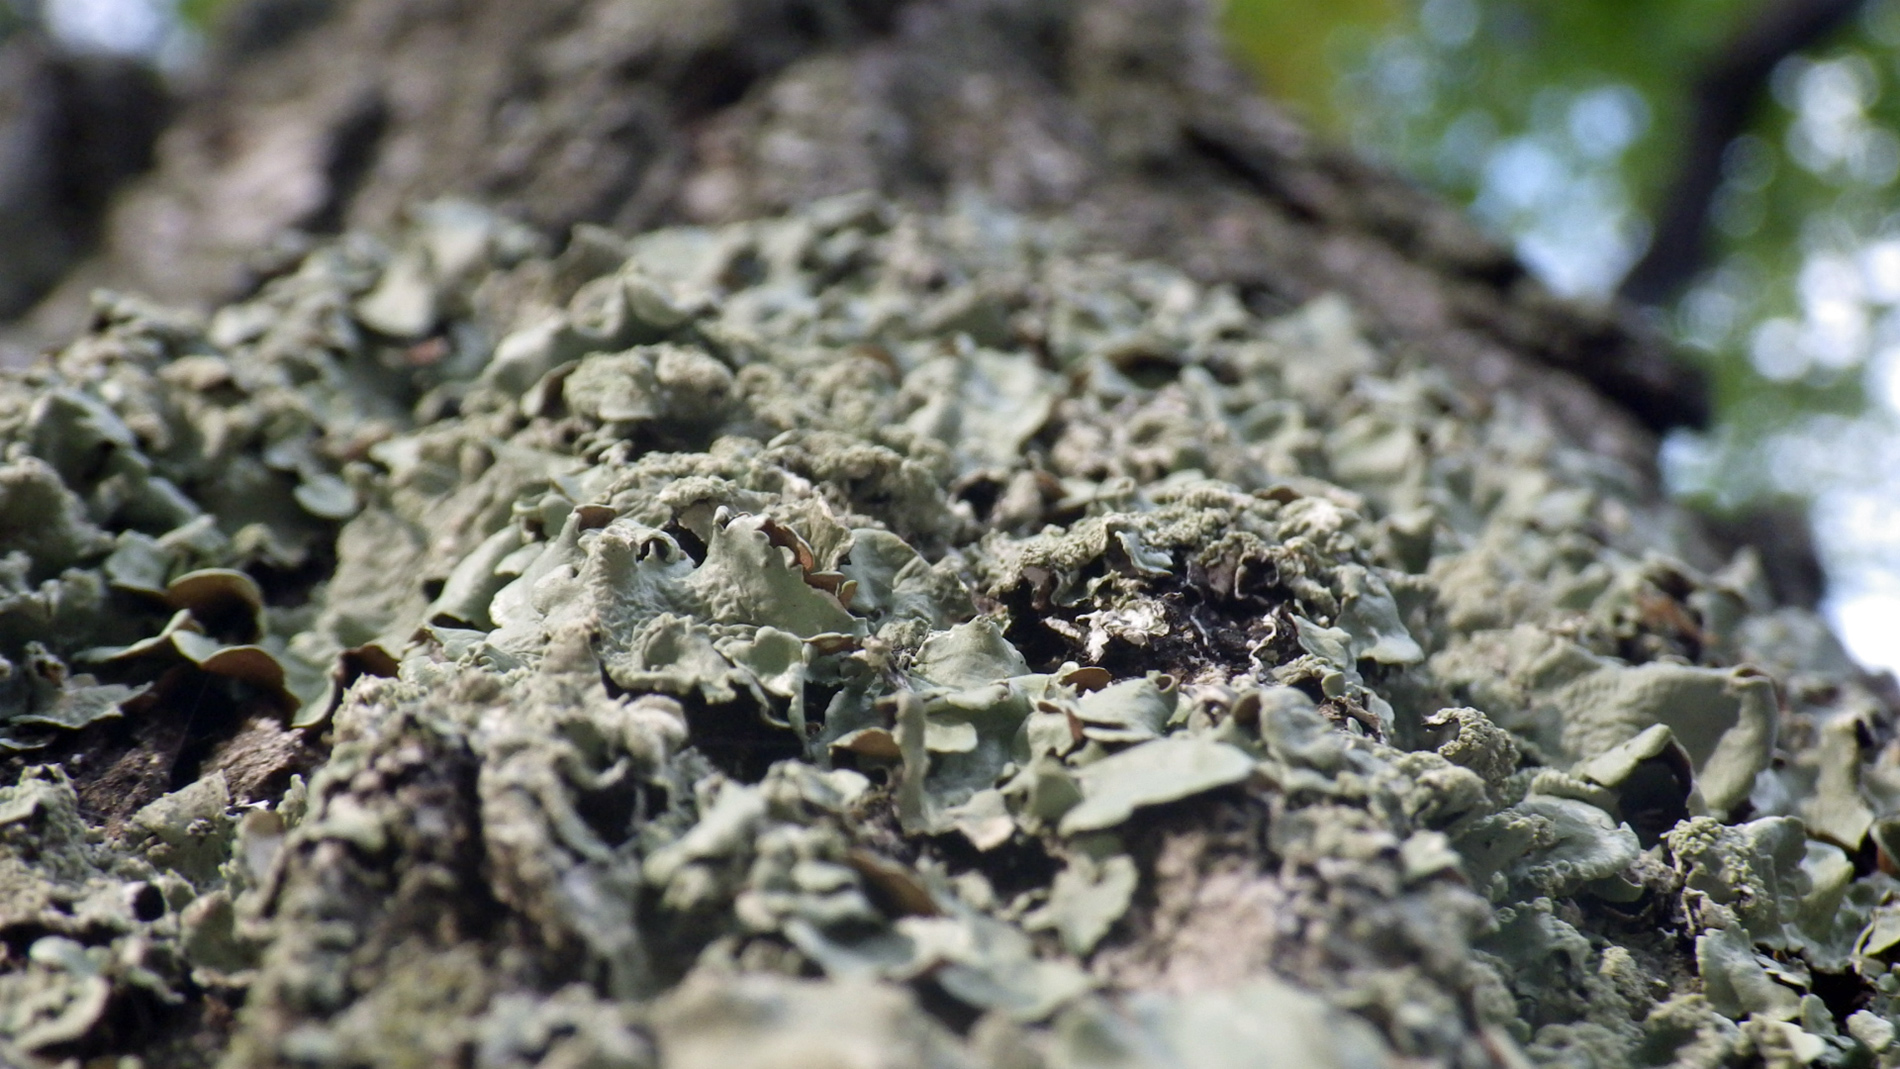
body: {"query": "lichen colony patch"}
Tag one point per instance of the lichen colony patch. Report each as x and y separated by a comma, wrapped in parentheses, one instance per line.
(885, 639)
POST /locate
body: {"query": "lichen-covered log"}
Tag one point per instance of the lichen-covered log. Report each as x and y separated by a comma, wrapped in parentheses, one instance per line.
(881, 637)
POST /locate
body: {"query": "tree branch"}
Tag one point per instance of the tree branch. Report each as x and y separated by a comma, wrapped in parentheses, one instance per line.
(1726, 98)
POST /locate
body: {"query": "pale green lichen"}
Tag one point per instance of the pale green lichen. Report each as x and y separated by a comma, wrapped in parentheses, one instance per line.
(877, 638)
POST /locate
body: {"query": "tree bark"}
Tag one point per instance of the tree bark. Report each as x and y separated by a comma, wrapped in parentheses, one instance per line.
(1123, 116)
(72, 130)
(892, 633)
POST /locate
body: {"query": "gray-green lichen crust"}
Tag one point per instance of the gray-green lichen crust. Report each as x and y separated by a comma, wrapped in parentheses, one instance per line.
(883, 639)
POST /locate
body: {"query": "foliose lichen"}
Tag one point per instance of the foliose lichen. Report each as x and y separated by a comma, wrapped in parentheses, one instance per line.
(885, 639)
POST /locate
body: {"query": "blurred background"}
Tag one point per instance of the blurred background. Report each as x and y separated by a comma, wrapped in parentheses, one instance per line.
(1728, 165)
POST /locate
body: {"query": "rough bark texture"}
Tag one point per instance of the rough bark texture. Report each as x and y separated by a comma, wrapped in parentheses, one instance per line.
(1122, 116)
(880, 635)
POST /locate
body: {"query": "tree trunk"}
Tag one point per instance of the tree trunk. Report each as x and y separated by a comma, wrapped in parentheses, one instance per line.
(1124, 117)
(72, 129)
(1053, 567)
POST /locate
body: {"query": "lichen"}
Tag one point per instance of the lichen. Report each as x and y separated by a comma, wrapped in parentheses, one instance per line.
(869, 637)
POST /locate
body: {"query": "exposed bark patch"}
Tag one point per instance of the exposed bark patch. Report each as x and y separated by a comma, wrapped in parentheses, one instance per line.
(1213, 916)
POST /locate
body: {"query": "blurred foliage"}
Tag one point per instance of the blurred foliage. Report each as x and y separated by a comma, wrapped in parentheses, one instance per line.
(167, 33)
(199, 13)
(15, 14)
(1562, 125)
